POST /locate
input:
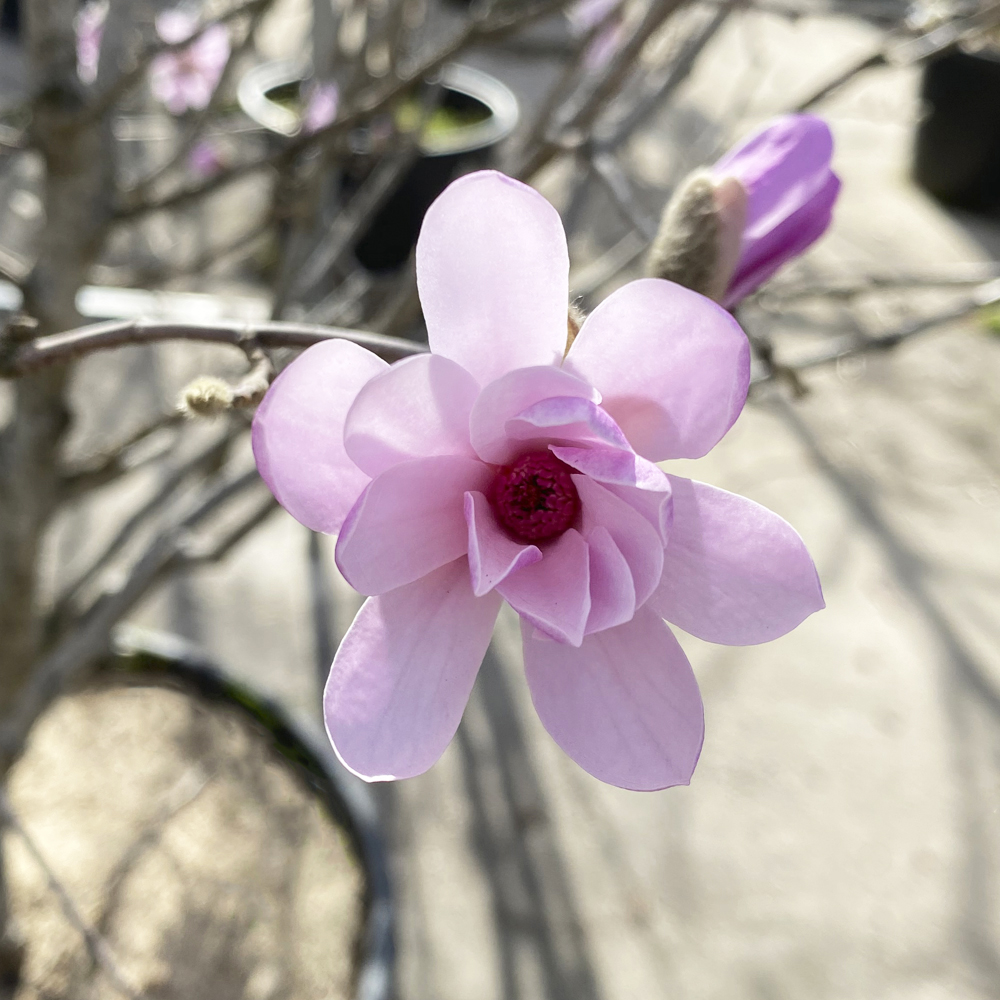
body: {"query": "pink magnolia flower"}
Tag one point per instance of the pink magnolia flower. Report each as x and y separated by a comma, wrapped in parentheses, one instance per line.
(186, 79)
(321, 106)
(89, 34)
(781, 202)
(494, 469)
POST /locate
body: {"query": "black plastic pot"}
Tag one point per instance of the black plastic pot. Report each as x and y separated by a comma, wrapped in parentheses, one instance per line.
(957, 152)
(392, 234)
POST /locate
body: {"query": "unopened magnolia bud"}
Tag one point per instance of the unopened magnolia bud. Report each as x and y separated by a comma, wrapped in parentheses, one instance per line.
(206, 396)
(574, 320)
(698, 243)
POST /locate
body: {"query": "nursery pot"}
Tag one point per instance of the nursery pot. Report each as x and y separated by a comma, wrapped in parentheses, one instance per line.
(475, 113)
(957, 151)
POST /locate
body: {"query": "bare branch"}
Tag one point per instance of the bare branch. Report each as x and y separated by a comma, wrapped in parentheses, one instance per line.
(196, 554)
(61, 347)
(202, 118)
(987, 295)
(77, 651)
(211, 454)
(107, 466)
(97, 947)
(367, 104)
(105, 101)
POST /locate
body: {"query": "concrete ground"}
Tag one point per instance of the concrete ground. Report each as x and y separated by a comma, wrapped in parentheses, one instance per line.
(841, 836)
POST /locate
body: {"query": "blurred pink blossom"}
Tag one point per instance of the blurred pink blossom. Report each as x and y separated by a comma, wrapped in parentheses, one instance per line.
(185, 80)
(783, 201)
(321, 106)
(205, 159)
(495, 469)
(89, 33)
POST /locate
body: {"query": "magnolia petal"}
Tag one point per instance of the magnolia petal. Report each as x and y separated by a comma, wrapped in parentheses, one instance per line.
(554, 594)
(493, 556)
(403, 673)
(420, 407)
(512, 395)
(409, 521)
(493, 276)
(637, 540)
(673, 367)
(657, 508)
(734, 572)
(566, 419)
(614, 465)
(762, 255)
(625, 705)
(612, 590)
(298, 433)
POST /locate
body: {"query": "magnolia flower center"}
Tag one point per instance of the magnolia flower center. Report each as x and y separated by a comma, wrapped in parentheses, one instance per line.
(534, 497)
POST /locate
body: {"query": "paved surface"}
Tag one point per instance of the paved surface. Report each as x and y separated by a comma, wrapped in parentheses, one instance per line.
(840, 837)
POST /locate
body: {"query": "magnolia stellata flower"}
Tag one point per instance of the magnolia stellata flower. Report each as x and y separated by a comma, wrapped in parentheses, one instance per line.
(186, 79)
(728, 230)
(495, 469)
(89, 33)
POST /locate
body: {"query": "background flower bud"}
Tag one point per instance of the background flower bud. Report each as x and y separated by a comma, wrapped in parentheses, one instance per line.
(698, 243)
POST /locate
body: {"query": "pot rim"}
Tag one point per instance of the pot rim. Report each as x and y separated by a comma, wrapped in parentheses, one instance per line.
(504, 114)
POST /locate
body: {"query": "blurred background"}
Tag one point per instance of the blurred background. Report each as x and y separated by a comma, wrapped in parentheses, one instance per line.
(271, 160)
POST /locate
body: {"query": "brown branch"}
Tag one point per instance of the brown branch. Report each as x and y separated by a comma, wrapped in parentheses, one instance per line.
(77, 651)
(105, 101)
(109, 465)
(202, 118)
(367, 105)
(61, 347)
(987, 295)
(210, 455)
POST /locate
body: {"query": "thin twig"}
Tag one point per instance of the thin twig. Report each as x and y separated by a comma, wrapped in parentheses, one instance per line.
(76, 652)
(105, 101)
(366, 106)
(209, 455)
(988, 295)
(657, 92)
(609, 171)
(61, 347)
(197, 554)
(202, 118)
(107, 466)
(97, 947)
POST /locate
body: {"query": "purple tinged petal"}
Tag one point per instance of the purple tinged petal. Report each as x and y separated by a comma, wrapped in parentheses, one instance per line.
(568, 420)
(734, 572)
(785, 169)
(612, 590)
(298, 433)
(656, 508)
(614, 465)
(625, 705)
(420, 407)
(403, 674)
(409, 521)
(672, 366)
(762, 257)
(511, 395)
(637, 540)
(493, 556)
(554, 594)
(493, 276)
